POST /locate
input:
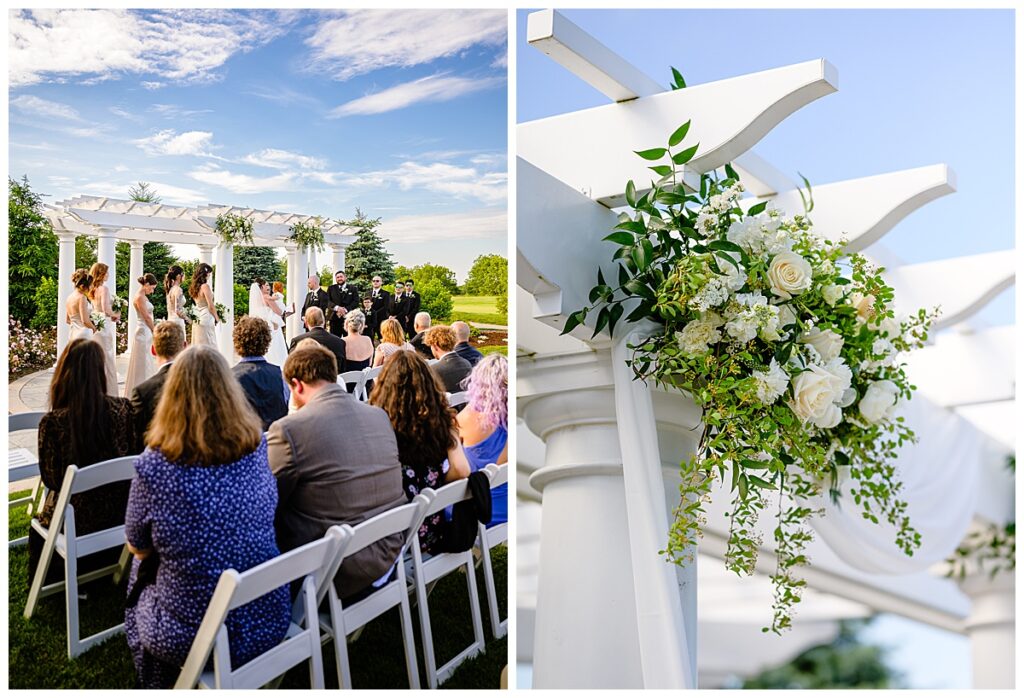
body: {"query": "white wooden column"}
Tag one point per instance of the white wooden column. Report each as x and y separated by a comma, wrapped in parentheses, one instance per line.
(135, 270)
(224, 292)
(588, 630)
(205, 255)
(106, 253)
(65, 268)
(298, 263)
(337, 258)
(990, 627)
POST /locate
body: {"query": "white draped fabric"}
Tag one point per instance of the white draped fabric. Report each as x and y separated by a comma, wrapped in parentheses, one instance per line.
(941, 475)
(278, 351)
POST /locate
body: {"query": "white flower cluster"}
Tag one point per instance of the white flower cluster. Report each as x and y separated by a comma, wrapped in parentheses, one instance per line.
(98, 319)
(699, 334)
(760, 234)
(751, 316)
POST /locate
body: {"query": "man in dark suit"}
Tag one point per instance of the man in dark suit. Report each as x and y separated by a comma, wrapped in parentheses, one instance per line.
(462, 345)
(315, 298)
(315, 322)
(450, 368)
(341, 298)
(421, 324)
(380, 307)
(260, 380)
(400, 304)
(336, 461)
(412, 307)
(168, 341)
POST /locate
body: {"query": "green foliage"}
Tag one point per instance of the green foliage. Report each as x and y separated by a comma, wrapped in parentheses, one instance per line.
(145, 193)
(85, 252)
(326, 276)
(233, 228)
(256, 262)
(309, 235)
(241, 295)
(436, 300)
(422, 274)
(31, 248)
(991, 548)
(47, 303)
(711, 276)
(368, 255)
(844, 663)
(488, 276)
(503, 304)
(157, 257)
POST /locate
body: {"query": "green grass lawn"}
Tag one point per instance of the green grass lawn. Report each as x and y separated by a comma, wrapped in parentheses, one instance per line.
(482, 309)
(493, 350)
(38, 657)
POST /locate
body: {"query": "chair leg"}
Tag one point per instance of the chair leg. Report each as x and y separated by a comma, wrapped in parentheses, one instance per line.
(41, 570)
(35, 495)
(340, 641)
(71, 599)
(123, 564)
(410, 645)
(425, 634)
(474, 605)
(489, 590)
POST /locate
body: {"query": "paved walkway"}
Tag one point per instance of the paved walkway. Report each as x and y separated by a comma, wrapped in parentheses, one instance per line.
(485, 326)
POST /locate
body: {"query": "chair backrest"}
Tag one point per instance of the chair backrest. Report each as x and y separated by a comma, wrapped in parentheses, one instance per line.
(371, 373)
(460, 398)
(447, 495)
(356, 377)
(90, 477)
(497, 474)
(23, 421)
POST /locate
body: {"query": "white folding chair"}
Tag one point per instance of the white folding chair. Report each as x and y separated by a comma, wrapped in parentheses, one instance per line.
(490, 537)
(301, 643)
(357, 377)
(434, 567)
(24, 421)
(368, 375)
(62, 538)
(456, 399)
(340, 621)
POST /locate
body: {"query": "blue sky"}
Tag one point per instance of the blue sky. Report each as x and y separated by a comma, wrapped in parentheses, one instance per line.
(402, 113)
(916, 87)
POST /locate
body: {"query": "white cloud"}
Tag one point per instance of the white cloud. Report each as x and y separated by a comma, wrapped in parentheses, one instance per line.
(283, 160)
(152, 84)
(125, 114)
(173, 111)
(441, 177)
(101, 44)
(361, 41)
(241, 183)
(479, 224)
(435, 88)
(169, 142)
(36, 106)
(169, 193)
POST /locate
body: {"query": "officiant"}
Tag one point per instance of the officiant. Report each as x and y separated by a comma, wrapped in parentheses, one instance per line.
(316, 298)
(341, 298)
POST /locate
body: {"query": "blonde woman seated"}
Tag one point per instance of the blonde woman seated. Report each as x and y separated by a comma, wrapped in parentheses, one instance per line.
(358, 347)
(392, 339)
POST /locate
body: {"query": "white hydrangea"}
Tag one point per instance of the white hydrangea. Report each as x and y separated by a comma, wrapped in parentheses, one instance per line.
(747, 234)
(699, 334)
(879, 401)
(706, 222)
(734, 276)
(771, 384)
(743, 326)
(719, 202)
(714, 294)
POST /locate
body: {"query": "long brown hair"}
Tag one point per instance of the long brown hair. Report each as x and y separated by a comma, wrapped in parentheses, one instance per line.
(423, 422)
(98, 272)
(79, 385)
(173, 272)
(199, 276)
(203, 417)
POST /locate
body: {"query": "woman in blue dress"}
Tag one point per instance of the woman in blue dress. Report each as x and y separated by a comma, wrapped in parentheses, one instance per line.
(202, 501)
(483, 424)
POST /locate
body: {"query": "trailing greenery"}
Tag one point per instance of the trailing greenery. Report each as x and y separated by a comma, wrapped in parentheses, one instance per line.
(790, 347)
(233, 228)
(991, 549)
(309, 235)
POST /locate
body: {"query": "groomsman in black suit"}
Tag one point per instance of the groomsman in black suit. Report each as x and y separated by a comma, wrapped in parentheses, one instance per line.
(341, 298)
(316, 298)
(400, 304)
(380, 307)
(412, 307)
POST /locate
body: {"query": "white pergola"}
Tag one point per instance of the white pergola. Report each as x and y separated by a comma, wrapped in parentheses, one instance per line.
(598, 453)
(134, 222)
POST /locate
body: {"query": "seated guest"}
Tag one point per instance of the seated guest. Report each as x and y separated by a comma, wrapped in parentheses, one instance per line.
(168, 342)
(462, 345)
(260, 380)
(483, 424)
(202, 501)
(336, 461)
(358, 346)
(421, 324)
(84, 426)
(451, 368)
(424, 424)
(392, 339)
(315, 321)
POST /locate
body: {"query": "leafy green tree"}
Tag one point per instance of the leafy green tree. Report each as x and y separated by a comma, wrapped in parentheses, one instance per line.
(502, 304)
(31, 248)
(436, 300)
(846, 662)
(241, 300)
(326, 276)
(367, 255)
(85, 251)
(47, 303)
(252, 262)
(422, 274)
(488, 276)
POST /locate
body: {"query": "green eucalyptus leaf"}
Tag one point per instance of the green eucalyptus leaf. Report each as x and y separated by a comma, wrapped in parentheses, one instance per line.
(630, 193)
(663, 170)
(678, 135)
(678, 81)
(602, 321)
(730, 172)
(757, 208)
(623, 275)
(574, 320)
(652, 153)
(684, 156)
(639, 288)
(620, 238)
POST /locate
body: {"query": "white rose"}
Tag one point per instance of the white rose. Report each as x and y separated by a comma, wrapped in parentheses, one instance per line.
(832, 293)
(786, 316)
(815, 395)
(842, 377)
(789, 274)
(863, 304)
(879, 401)
(889, 327)
(826, 342)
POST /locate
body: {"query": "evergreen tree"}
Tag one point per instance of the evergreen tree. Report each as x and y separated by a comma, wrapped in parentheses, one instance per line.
(367, 255)
(157, 257)
(253, 262)
(31, 249)
(145, 193)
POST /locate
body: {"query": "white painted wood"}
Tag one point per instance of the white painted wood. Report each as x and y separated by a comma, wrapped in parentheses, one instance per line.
(337, 258)
(135, 270)
(991, 629)
(224, 292)
(592, 150)
(106, 253)
(65, 268)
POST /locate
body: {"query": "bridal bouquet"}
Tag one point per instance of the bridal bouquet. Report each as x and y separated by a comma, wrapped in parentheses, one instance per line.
(118, 303)
(790, 347)
(98, 319)
(222, 310)
(191, 313)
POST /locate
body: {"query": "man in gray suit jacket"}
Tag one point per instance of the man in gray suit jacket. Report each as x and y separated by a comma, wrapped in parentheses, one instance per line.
(336, 461)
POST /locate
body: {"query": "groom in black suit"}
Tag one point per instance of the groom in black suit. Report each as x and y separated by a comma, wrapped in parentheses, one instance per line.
(411, 308)
(380, 307)
(341, 298)
(315, 298)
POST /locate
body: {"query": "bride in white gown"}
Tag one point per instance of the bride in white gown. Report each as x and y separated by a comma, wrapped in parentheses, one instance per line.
(262, 305)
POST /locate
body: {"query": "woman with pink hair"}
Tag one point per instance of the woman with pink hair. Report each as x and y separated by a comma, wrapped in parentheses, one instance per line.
(483, 424)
